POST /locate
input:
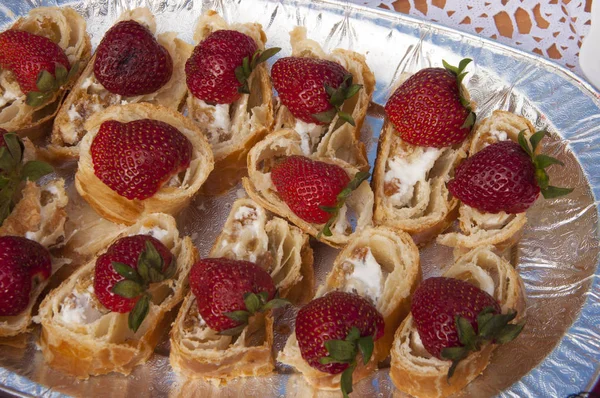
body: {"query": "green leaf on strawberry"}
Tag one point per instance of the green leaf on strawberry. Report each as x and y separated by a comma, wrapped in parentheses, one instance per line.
(139, 313)
(337, 96)
(460, 74)
(254, 303)
(48, 84)
(243, 72)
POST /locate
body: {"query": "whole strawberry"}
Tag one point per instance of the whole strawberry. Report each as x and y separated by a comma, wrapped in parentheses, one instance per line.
(136, 158)
(332, 329)
(39, 65)
(219, 68)
(442, 306)
(314, 90)
(21, 262)
(505, 176)
(229, 291)
(428, 108)
(124, 272)
(129, 61)
(313, 190)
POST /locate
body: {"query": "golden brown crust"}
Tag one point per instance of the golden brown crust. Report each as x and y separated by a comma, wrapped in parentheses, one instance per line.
(233, 129)
(414, 371)
(105, 344)
(89, 96)
(65, 27)
(169, 199)
(380, 252)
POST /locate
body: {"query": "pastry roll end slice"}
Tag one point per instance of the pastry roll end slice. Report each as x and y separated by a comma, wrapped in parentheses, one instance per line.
(415, 371)
(381, 265)
(82, 337)
(65, 27)
(479, 228)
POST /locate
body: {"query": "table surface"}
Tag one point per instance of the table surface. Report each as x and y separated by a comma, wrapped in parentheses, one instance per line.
(551, 28)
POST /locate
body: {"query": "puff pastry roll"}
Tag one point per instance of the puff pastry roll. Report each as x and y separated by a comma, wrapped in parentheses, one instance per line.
(65, 27)
(251, 234)
(414, 370)
(89, 96)
(82, 337)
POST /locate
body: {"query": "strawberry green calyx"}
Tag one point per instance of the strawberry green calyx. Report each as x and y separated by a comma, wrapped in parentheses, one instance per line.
(337, 96)
(540, 162)
(345, 351)
(491, 328)
(13, 171)
(254, 303)
(47, 84)
(149, 270)
(243, 72)
(341, 199)
(460, 74)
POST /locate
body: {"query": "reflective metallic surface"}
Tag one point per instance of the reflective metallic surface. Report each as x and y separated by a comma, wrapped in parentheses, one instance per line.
(558, 352)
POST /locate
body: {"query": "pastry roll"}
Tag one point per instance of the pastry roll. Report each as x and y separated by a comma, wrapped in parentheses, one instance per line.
(82, 337)
(89, 96)
(414, 370)
(232, 129)
(479, 228)
(381, 265)
(251, 234)
(358, 207)
(337, 140)
(65, 27)
(172, 196)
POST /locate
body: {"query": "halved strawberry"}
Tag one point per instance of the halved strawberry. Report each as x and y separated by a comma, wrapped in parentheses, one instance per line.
(21, 262)
(454, 318)
(315, 191)
(228, 292)
(136, 158)
(123, 274)
(219, 68)
(505, 176)
(332, 330)
(39, 65)
(314, 90)
(428, 109)
(129, 61)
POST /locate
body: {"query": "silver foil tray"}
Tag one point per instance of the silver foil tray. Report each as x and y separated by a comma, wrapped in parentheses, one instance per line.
(558, 352)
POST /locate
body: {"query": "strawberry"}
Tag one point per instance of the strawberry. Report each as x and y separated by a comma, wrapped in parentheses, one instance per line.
(136, 158)
(505, 176)
(21, 261)
(315, 191)
(428, 109)
(454, 317)
(129, 61)
(39, 65)
(332, 329)
(13, 170)
(229, 291)
(219, 67)
(124, 272)
(314, 90)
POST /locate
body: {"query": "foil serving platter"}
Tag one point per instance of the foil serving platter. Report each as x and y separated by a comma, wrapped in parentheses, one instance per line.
(558, 352)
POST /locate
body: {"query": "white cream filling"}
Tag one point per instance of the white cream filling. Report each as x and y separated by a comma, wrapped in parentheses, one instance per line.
(78, 308)
(341, 223)
(88, 82)
(309, 135)
(490, 220)
(417, 347)
(499, 135)
(156, 232)
(366, 278)
(73, 114)
(408, 171)
(9, 96)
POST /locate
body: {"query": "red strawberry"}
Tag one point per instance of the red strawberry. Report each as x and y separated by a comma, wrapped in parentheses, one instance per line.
(129, 60)
(28, 56)
(135, 159)
(346, 318)
(442, 305)
(307, 186)
(21, 261)
(505, 176)
(125, 270)
(218, 70)
(229, 291)
(313, 89)
(428, 108)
